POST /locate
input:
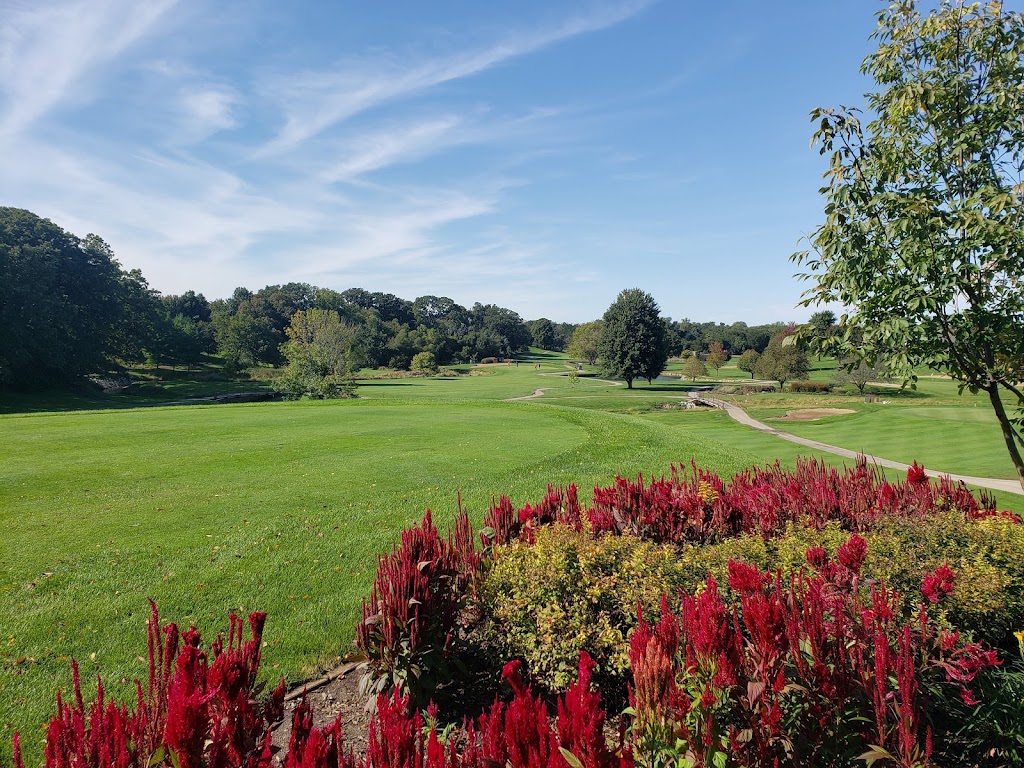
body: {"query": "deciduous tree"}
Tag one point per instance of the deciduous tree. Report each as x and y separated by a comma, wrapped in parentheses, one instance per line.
(822, 327)
(858, 372)
(748, 361)
(585, 343)
(542, 332)
(245, 338)
(694, 369)
(63, 302)
(717, 356)
(782, 361)
(634, 343)
(318, 350)
(924, 221)
(423, 362)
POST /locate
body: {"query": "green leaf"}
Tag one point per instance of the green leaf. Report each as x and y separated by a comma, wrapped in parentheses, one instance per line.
(875, 754)
(570, 758)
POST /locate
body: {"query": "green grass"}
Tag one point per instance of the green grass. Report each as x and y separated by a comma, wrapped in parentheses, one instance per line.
(284, 507)
(965, 440)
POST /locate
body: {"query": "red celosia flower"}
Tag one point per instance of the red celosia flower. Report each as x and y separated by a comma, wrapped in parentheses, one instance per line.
(187, 702)
(512, 672)
(581, 720)
(816, 557)
(852, 553)
(938, 583)
(916, 475)
(745, 578)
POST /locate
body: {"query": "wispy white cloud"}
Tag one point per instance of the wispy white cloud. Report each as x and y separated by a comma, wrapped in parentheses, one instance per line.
(316, 100)
(206, 110)
(196, 212)
(48, 51)
(394, 144)
(400, 233)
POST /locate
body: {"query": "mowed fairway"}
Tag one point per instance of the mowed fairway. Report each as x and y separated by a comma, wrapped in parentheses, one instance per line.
(281, 507)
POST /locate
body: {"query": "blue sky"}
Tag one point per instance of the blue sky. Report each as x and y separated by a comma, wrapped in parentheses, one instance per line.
(541, 156)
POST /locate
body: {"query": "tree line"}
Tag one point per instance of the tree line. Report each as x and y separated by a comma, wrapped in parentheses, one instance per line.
(67, 309)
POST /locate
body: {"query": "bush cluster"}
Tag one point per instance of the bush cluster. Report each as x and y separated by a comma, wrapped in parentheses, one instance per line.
(569, 592)
(573, 591)
(552, 601)
(988, 602)
(816, 668)
(757, 389)
(813, 387)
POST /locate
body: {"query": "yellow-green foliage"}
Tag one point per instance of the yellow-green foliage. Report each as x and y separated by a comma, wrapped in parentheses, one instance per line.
(570, 592)
(986, 555)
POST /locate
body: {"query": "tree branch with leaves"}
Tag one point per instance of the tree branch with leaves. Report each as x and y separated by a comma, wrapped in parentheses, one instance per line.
(923, 238)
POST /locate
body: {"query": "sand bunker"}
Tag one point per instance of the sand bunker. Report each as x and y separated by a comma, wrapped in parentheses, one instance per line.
(812, 414)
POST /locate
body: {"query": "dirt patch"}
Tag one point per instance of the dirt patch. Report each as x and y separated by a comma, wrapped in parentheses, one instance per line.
(812, 414)
(338, 692)
(339, 695)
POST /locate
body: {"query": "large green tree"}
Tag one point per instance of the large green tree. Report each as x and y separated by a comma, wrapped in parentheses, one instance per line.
(62, 302)
(542, 332)
(247, 337)
(634, 342)
(782, 363)
(821, 327)
(923, 237)
(694, 368)
(748, 361)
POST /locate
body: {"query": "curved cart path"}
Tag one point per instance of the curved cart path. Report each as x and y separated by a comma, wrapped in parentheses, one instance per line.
(540, 392)
(737, 413)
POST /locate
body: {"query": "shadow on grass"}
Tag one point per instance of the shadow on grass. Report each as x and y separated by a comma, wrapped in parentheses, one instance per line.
(541, 356)
(150, 387)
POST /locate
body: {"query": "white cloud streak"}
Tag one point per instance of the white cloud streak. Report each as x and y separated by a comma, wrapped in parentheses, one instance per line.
(395, 144)
(207, 110)
(316, 100)
(48, 51)
(214, 215)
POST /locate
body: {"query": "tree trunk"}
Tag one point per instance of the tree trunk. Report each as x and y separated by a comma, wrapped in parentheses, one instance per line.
(1008, 434)
(629, 383)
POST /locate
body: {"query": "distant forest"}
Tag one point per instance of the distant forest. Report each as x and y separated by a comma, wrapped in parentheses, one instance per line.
(67, 309)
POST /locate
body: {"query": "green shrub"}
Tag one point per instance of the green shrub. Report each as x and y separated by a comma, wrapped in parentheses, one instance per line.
(571, 591)
(424, 362)
(988, 600)
(818, 387)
